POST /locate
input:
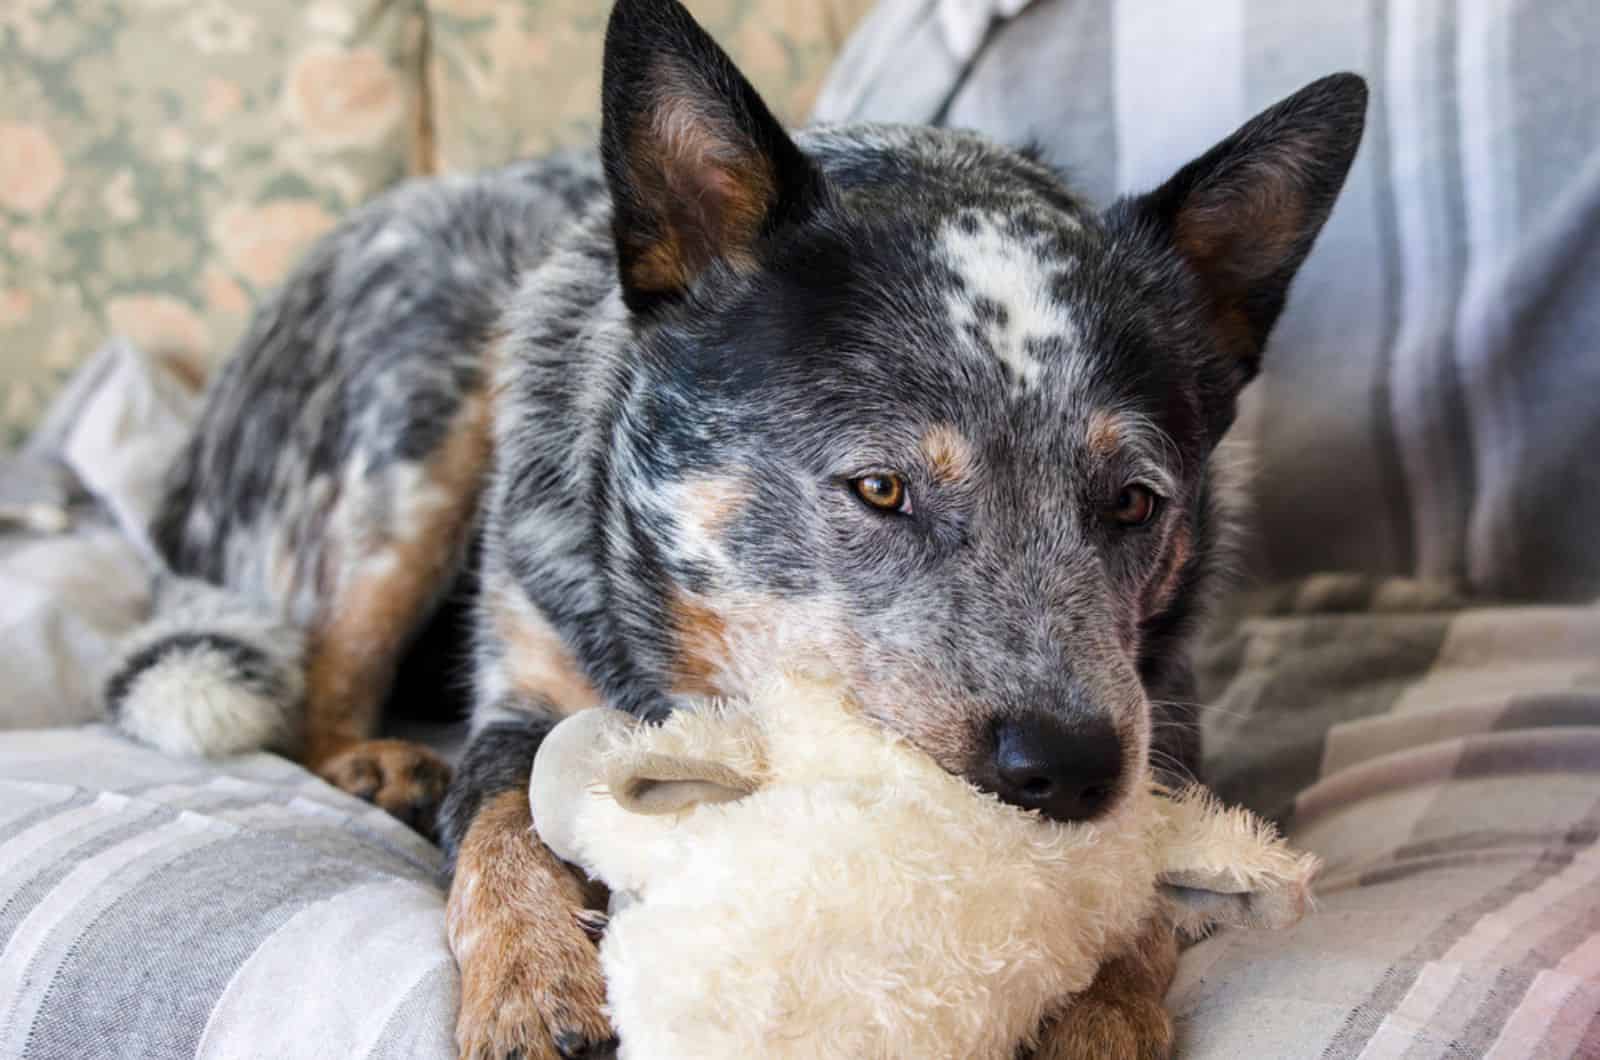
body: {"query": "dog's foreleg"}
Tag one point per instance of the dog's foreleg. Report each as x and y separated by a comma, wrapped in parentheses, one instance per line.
(393, 558)
(1122, 1014)
(530, 974)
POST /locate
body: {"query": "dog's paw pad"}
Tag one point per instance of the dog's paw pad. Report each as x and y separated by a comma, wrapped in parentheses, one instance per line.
(405, 779)
(575, 1045)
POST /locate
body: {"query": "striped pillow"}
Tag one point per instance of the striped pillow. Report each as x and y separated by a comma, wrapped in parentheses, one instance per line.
(152, 907)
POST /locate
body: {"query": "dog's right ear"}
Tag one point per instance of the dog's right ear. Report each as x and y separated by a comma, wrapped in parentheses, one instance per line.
(1243, 215)
(699, 169)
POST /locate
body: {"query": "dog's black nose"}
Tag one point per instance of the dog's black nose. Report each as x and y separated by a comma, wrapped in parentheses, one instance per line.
(1066, 770)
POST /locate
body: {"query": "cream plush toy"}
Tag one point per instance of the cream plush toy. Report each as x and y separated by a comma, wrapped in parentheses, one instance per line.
(791, 881)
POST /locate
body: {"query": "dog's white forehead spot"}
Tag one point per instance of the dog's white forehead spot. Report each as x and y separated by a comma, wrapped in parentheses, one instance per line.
(391, 239)
(1006, 303)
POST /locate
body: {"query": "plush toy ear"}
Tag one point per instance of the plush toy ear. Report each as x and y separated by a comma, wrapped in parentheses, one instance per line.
(1226, 867)
(601, 768)
(565, 769)
(662, 784)
(716, 754)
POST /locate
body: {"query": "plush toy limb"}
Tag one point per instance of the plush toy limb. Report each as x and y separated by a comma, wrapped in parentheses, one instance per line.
(1218, 866)
(1224, 866)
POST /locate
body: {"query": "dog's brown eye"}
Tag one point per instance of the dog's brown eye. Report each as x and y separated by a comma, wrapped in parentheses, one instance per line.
(885, 492)
(1135, 505)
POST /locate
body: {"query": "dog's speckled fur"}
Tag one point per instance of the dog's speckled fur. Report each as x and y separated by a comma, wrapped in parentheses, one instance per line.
(622, 426)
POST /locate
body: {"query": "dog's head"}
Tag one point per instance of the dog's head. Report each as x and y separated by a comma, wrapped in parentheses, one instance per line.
(911, 407)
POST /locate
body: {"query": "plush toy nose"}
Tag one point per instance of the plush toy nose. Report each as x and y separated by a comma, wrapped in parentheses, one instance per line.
(1066, 770)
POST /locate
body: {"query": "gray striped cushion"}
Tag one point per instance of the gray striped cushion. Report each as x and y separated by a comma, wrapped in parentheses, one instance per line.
(151, 907)
(1444, 760)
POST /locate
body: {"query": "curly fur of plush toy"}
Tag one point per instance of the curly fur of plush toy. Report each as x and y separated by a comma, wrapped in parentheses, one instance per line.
(792, 881)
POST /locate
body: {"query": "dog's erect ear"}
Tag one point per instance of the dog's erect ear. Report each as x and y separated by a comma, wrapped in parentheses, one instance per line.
(698, 167)
(1244, 214)
(1225, 867)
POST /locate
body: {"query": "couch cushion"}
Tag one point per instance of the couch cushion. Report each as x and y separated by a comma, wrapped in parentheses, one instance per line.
(1451, 780)
(154, 907)
(517, 77)
(162, 164)
(73, 575)
(1444, 760)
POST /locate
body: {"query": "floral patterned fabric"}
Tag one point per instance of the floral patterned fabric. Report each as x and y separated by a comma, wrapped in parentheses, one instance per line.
(517, 77)
(163, 162)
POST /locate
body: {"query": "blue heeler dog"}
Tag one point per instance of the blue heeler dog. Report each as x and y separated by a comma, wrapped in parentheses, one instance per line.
(630, 431)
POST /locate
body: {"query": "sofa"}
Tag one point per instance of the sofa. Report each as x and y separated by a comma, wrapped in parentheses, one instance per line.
(1407, 678)
(163, 162)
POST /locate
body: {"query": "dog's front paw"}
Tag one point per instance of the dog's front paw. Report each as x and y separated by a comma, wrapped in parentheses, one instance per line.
(1132, 1028)
(533, 1001)
(406, 779)
(531, 985)
(1121, 1015)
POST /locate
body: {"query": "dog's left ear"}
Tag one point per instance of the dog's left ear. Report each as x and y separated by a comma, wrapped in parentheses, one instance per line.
(1243, 215)
(699, 169)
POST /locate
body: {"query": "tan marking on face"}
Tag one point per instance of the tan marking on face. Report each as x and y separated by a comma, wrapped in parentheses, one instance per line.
(948, 453)
(1104, 435)
(384, 589)
(536, 662)
(710, 503)
(701, 641)
(1180, 548)
(730, 644)
(529, 973)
